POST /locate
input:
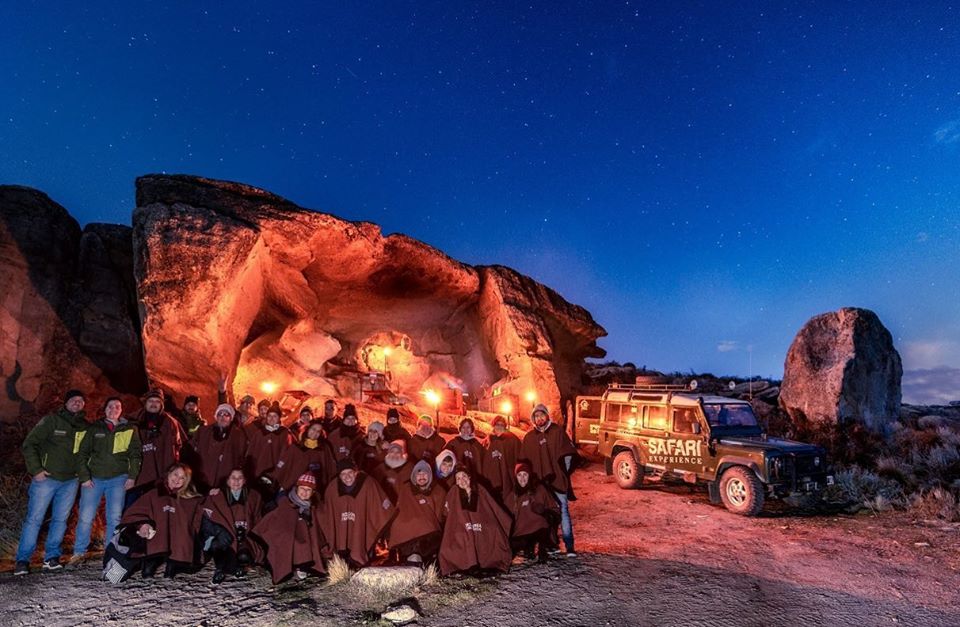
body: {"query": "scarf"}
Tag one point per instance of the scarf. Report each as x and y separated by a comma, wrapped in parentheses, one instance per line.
(308, 443)
(271, 428)
(303, 507)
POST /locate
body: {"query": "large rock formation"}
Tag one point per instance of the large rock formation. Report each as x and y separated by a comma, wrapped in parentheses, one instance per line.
(68, 316)
(234, 280)
(842, 366)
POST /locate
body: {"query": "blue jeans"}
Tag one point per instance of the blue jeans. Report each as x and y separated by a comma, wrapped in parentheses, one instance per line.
(566, 525)
(41, 494)
(90, 497)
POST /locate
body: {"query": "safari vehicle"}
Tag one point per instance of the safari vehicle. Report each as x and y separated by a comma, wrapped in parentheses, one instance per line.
(668, 430)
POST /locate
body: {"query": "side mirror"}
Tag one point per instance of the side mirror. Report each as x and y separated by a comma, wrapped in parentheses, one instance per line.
(696, 428)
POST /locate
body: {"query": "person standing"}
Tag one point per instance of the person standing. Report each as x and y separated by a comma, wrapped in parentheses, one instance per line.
(468, 450)
(108, 460)
(218, 449)
(502, 450)
(50, 451)
(549, 451)
(190, 416)
(425, 443)
(161, 438)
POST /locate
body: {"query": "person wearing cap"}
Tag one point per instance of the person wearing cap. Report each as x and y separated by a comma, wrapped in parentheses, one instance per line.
(292, 533)
(369, 453)
(502, 450)
(393, 429)
(162, 525)
(50, 451)
(395, 469)
(550, 453)
(303, 421)
(108, 460)
(330, 419)
(476, 533)
(161, 439)
(535, 512)
(218, 448)
(266, 443)
(425, 443)
(311, 454)
(468, 450)
(190, 415)
(229, 514)
(416, 531)
(262, 408)
(445, 463)
(346, 437)
(245, 411)
(355, 514)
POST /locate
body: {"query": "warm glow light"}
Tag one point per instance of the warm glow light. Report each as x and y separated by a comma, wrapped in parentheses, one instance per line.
(432, 397)
(268, 387)
(531, 396)
(506, 407)
(387, 351)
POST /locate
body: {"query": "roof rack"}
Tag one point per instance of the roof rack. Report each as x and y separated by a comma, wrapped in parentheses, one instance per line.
(651, 387)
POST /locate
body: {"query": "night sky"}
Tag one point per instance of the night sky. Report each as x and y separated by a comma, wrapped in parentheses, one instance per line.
(702, 177)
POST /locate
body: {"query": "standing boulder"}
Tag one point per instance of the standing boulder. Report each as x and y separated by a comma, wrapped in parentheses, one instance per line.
(842, 367)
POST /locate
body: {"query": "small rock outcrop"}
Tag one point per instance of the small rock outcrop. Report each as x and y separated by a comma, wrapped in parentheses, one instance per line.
(67, 317)
(842, 366)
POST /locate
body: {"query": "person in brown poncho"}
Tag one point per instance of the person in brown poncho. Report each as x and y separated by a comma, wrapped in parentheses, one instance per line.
(535, 514)
(162, 525)
(394, 430)
(425, 443)
(228, 516)
(356, 511)
(502, 450)
(161, 439)
(292, 534)
(347, 436)
(369, 453)
(395, 469)
(266, 442)
(416, 531)
(468, 450)
(311, 454)
(476, 534)
(445, 466)
(217, 449)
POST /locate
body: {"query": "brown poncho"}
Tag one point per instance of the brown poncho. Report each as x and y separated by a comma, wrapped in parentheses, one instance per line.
(476, 533)
(390, 479)
(368, 456)
(502, 452)
(160, 447)
(298, 459)
(419, 447)
(545, 452)
(353, 521)
(419, 512)
(216, 453)
(470, 453)
(177, 521)
(529, 507)
(264, 449)
(290, 540)
(230, 514)
(342, 442)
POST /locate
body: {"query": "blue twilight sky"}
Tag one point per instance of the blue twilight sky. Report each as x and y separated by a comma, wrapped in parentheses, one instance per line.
(703, 177)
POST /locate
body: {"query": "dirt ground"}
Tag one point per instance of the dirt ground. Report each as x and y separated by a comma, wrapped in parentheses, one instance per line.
(661, 555)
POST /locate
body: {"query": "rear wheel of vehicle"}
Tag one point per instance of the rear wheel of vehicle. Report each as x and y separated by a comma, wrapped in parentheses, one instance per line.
(741, 491)
(628, 472)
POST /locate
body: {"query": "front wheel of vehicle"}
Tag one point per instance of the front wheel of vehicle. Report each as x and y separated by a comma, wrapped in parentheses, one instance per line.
(741, 491)
(628, 472)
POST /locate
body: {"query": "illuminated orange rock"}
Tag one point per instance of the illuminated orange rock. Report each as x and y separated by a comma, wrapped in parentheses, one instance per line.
(68, 311)
(234, 279)
(842, 366)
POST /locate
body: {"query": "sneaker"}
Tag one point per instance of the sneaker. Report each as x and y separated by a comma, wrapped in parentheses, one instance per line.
(553, 552)
(53, 564)
(300, 575)
(218, 576)
(571, 553)
(22, 568)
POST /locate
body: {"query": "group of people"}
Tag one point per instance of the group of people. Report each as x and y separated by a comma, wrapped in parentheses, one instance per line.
(246, 490)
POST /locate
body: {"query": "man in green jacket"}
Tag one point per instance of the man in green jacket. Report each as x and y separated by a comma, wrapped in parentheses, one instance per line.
(50, 450)
(109, 459)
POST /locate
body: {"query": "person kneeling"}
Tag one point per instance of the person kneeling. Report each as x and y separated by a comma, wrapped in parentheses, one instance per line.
(228, 516)
(292, 533)
(356, 511)
(535, 513)
(477, 530)
(162, 525)
(416, 531)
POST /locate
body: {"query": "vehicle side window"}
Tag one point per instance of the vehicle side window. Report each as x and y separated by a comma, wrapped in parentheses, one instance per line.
(655, 417)
(683, 420)
(612, 413)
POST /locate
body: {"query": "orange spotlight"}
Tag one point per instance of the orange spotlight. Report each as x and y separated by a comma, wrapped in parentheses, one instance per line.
(268, 387)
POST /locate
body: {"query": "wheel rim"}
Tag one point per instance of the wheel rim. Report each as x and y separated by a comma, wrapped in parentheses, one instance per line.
(625, 472)
(736, 492)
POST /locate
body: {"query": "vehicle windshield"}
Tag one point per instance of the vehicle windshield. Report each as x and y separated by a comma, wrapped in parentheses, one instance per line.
(730, 415)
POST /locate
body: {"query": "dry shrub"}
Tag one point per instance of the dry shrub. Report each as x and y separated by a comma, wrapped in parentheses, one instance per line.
(856, 485)
(939, 503)
(338, 571)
